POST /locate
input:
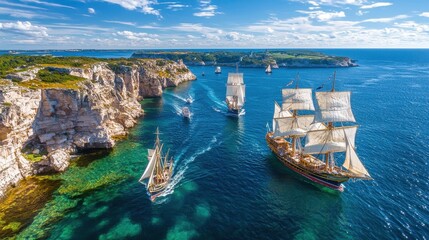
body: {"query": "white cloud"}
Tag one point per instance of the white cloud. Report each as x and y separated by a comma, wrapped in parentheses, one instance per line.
(176, 7)
(206, 9)
(20, 5)
(235, 36)
(24, 28)
(270, 30)
(122, 23)
(313, 3)
(385, 20)
(144, 6)
(91, 10)
(48, 4)
(424, 14)
(323, 16)
(376, 5)
(137, 36)
(334, 2)
(19, 13)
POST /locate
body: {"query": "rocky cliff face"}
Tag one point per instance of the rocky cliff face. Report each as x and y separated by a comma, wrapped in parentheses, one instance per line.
(51, 124)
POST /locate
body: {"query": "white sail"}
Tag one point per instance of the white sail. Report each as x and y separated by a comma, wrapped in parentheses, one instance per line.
(292, 126)
(329, 140)
(352, 162)
(334, 107)
(235, 79)
(278, 113)
(268, 69)
(150, 166)
(238, 91)
(150, 152)
(297, 99)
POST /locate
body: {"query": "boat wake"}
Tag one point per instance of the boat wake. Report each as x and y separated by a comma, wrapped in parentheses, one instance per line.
(219, 104)
(183, 99)
(177, 179)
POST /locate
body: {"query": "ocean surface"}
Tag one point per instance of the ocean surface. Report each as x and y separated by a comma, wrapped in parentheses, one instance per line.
(228, 185)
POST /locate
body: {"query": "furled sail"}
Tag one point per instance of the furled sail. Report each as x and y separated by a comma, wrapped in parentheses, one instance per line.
(352, 162)
(149, 169)
(235, 79)
(292, 126)
(297, 99)
(329, 140)
(334, 107)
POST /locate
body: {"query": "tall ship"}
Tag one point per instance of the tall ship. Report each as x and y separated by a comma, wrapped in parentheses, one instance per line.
(235, 93)
(324, 136)
(159, 169)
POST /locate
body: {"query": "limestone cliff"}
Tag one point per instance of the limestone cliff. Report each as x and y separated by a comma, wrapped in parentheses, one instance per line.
(47, 125)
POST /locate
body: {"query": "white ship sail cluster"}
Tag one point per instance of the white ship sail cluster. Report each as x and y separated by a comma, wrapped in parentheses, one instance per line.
(235, 92)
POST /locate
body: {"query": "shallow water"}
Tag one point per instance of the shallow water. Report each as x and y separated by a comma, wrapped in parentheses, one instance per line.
(227, 184)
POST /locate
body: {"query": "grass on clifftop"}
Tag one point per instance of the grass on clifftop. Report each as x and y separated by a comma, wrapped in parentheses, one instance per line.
(52, 79)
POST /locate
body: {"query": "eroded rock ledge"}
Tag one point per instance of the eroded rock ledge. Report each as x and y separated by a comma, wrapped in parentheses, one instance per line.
(41, 128)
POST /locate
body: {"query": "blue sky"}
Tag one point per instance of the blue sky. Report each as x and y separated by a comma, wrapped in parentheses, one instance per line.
(125, 24)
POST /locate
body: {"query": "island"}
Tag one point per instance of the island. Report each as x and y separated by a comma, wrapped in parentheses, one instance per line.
(251, 59)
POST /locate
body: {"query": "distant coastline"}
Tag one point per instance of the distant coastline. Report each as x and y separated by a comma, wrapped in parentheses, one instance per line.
(251, 59)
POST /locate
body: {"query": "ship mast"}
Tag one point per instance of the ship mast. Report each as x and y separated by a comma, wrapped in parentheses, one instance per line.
(330, 127)
(294, 116)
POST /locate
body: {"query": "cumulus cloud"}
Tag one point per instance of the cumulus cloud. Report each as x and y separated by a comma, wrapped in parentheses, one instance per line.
(24, 28)
(144, 6)
(323, 16)
(137, 36)
(235, 36)
(424, 14)
(376, 5)
(91, 10)
(206, 9)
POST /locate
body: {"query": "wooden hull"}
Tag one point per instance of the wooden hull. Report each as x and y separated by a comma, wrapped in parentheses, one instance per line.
(308, 167)
(158, 187)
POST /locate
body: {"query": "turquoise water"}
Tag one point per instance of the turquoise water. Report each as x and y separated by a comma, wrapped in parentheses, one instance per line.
(227, 184)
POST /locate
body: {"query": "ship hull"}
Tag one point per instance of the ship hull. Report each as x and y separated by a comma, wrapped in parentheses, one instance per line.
(236, 112)
(325, 179)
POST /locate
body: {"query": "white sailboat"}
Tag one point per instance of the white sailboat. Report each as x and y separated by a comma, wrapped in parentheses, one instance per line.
(159, 170)
(268, 69)
(235, 93)
(218, 70)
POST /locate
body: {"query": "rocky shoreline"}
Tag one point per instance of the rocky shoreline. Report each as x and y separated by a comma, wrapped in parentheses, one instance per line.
(41, 128)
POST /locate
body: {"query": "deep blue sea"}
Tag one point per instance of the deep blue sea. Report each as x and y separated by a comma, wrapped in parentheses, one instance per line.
(227, 184)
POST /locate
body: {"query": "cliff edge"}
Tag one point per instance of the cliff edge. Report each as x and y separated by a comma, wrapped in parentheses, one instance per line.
(41, 126)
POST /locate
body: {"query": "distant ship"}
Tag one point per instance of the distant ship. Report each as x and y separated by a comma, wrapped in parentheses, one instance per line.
(235, 94)
(186, 113)
(315, 160)
(159, 169)
(268, 69)
(218, 70)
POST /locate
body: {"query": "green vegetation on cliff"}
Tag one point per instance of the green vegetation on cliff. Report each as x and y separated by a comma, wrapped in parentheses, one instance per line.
(282, 58)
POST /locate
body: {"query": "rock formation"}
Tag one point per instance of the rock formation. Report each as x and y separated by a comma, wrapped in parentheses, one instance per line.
(52, 124)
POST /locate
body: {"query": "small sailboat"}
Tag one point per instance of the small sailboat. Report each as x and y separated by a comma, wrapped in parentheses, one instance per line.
(323, 137)
(159, 169)
(218, 70)
(189, 99)
(268, 69)
(186, 113)
(235, 93)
